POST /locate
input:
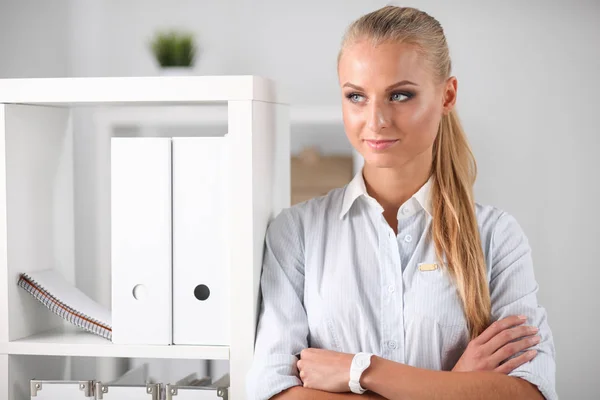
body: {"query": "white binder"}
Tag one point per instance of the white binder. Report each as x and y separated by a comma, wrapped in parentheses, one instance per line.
(200, 268)
(194, 389)
(195, 393)
(133, 385)
(149, 391)
(64, 390)
(141, 240)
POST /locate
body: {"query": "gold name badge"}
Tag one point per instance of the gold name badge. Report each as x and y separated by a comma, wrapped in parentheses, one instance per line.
(428, 267)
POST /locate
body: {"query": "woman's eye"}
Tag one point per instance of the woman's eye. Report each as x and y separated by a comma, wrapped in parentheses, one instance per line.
(354, 97)
(400, 96)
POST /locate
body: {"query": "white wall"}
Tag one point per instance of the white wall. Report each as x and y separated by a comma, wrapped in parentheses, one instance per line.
(33, 38)
(528, 97)
(123, 31)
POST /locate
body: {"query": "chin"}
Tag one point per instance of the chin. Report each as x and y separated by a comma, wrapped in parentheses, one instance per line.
(380, 161)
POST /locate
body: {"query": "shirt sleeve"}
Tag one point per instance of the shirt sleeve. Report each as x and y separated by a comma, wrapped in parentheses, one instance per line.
(282, 330)
(513, 291)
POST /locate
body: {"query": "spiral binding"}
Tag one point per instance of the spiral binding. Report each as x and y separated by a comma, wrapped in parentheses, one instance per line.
(62, 310)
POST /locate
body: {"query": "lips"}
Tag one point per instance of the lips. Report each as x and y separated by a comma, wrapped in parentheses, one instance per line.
(381, 144)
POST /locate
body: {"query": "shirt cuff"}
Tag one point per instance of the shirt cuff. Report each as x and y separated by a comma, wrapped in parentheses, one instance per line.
(271, 376)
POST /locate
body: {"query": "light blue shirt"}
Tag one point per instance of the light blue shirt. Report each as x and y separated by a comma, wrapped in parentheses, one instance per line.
(336, 276)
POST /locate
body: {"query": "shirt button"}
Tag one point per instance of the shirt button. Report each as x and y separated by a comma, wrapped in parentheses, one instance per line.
(408, 238)
(405, 211)
(391, 289)
(392, 344)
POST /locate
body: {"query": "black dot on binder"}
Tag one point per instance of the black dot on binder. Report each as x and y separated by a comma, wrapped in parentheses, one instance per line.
(202, 292)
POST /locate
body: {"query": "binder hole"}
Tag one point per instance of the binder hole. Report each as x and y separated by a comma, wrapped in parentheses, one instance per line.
(140, 292)
(202, 292)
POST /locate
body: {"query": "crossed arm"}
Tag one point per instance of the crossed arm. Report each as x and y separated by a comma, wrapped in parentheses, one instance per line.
(397, 381)
(389, 380)
(325, 374)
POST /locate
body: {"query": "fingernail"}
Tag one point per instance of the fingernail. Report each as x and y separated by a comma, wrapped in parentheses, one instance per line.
(532, 353)
(522, 317)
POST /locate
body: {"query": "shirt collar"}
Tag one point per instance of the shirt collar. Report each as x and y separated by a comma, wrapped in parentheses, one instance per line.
(357, 188)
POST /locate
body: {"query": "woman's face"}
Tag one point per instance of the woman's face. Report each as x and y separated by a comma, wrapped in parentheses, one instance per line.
(392, 103)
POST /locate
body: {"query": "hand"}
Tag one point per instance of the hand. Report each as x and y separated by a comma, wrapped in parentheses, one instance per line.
(488, 350)
(325, 370)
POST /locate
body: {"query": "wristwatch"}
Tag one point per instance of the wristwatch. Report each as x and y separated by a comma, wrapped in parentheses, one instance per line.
(360, 363)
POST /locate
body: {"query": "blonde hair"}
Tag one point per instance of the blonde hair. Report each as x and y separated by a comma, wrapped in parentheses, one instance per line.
(454, 227)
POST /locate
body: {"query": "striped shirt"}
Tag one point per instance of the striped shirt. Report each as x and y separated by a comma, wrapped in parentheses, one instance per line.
(336, 276)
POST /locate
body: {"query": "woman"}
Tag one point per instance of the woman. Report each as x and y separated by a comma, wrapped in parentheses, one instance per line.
(399, 285)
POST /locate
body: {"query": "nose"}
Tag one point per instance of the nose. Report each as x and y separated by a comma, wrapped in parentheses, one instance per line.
(378, 117)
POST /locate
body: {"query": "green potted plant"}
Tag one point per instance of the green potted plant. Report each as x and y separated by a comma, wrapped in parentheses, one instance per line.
(174, 51)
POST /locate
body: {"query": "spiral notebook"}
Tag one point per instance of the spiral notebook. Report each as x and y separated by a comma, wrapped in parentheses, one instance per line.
(51, 289)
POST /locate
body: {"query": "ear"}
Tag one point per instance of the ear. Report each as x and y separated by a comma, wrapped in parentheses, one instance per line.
(450, 89)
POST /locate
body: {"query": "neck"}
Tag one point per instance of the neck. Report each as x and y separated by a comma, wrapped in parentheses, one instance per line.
(392, 187)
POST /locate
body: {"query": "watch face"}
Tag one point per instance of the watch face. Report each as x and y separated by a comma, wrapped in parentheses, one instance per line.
(362, 362)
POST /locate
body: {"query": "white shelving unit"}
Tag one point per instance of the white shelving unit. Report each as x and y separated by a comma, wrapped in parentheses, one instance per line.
(37, 224)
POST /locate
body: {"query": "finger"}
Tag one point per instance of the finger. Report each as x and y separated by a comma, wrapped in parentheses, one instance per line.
(497, 327)
(510, 349)
(310, 352)
(304, 353)
(516, 362)
(507, 336)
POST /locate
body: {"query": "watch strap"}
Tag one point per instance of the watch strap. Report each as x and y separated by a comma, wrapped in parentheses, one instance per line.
(360, 363)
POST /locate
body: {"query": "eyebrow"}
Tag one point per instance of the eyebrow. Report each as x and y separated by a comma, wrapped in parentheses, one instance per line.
(395, 85)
